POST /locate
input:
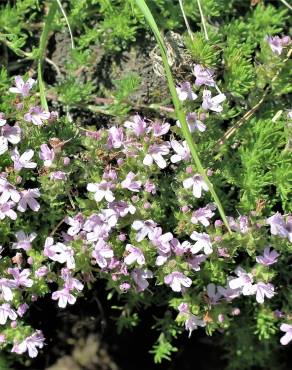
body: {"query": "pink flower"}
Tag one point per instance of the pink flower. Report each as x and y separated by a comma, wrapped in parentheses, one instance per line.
(64, 297)
(134, 254)
(176, 280)
(23, 160)
(36, 115)
(197, 183)
(202, 242)
(23, 240)
(144, 228)
(185, 92)
(161, 241)
(287, 329)
(182, 151)
(28, 199)
(60, 253)
(22, 309)
(278, 225)
(269, 257)
(5, 312)
(150, 187)
(213, 104)
(47, 155)
(194, 123)
(204, 76)
(22, 87)
(138, 125)
(30, 344)
(102, 252)
(70, 283)
(130, 184)
(140, 277)
(156, 153)
(277, 44)
(195, 261)
(101, 190)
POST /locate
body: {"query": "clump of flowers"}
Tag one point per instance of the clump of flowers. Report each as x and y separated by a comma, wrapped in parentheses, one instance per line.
(140, 216)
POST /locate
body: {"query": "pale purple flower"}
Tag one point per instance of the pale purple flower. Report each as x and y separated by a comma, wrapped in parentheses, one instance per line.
(58, 176)
(23, 160)
(28, 199)
(41, 272)
(213, 104)
(289, 228)
(195, 261)
(263, 290)
(23, 240)
(7, 211)
(150, 187)
(287, 329)
(177, 281)
(2, 119)
(47, 155)
(275, 43)
(182, 151)
(22, 309)
(228, 293)
(76, 223)
(180, 248)
(278, 225)
(12, 133)
(155, 154)
(160, 129)
(59, 252)
(192, 321)
(6, 312)
(69, 281)
(202, 242)
(185, 92)
(121, 208)
(204, 76)
(144, 228)
(140, 277)
(268, 258)
(64, 297)
(8, 191)
(203, 215)
(197, 183)
(21, 278)
(22, 87)
(101, 190)
(3, 145)
(138, 125)
(130, 184)
(102, 252)
(36, 115)
(6, 287)
(161, 241)
(243, 281)
(115, 137)
(134, 254)
(193, 123)
(30, 344)
(213, 294)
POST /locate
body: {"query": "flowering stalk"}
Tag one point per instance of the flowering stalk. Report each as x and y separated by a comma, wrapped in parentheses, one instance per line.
(178, 108)
(42, 48)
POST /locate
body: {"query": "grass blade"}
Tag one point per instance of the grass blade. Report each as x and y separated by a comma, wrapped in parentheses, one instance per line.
(178, 107)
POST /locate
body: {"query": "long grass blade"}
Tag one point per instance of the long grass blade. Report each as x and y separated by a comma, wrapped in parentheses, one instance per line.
(178, 107)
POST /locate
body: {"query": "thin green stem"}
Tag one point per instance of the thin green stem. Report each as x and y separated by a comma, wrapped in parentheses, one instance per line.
(287, 4)
(186, 20)
(178, 108)
(42, 51)
(203, 19)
